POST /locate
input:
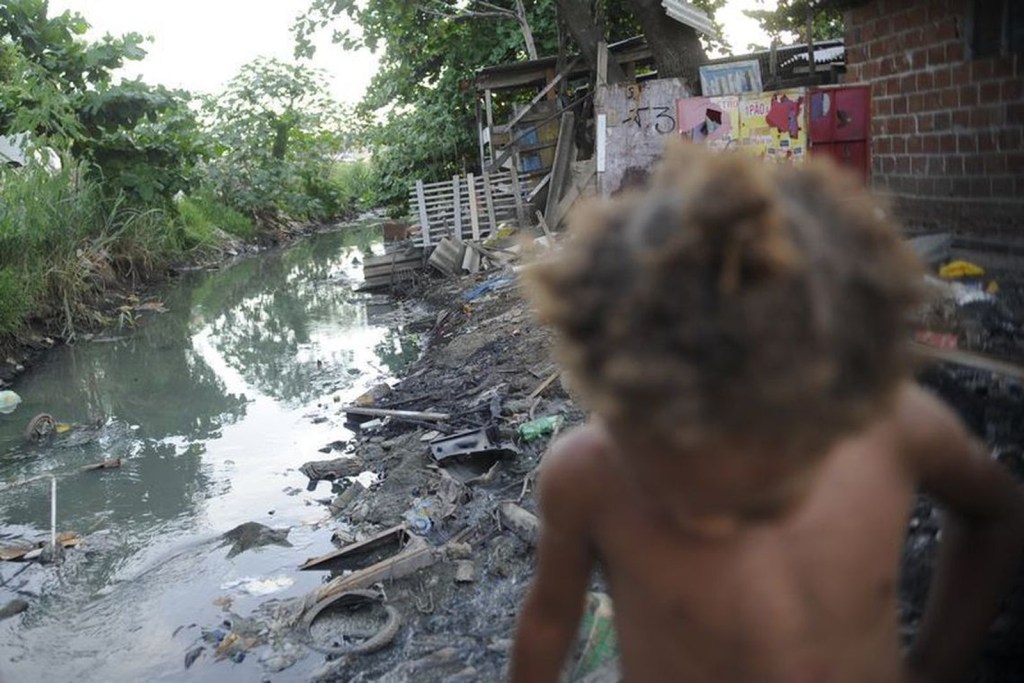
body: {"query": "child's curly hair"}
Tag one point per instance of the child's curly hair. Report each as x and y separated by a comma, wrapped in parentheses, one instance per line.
(733, 299)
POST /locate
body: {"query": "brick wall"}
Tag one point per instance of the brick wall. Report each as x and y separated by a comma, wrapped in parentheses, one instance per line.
(947, 130)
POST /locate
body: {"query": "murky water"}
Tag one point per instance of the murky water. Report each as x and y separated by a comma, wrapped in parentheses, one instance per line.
(212, 406)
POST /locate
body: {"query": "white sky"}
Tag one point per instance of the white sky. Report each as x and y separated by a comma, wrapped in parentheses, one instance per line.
(200, 44)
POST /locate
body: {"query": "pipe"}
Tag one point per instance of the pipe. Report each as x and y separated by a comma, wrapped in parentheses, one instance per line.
(53, 511)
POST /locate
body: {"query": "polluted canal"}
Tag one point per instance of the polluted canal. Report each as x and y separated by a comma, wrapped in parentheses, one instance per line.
(212, 406)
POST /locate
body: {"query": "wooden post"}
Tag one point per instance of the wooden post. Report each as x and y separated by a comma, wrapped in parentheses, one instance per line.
(421, 200)
(601, 155)
(457, 209)
(480, 133)
(474, 211)
(518, 194)
(602, 64)
(560, 167)
(489, 200)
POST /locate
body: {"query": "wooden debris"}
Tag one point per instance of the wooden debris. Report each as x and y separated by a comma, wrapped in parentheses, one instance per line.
(544, 385)
(111, 464)
(523, 524)
(969, 359)
(415, 556)
(447, 256)
(396, 414)
(329, 470)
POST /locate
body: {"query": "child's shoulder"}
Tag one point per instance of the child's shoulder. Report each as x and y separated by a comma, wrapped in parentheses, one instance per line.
(576, 468)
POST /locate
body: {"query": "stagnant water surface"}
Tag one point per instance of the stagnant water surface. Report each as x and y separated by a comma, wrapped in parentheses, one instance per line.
(212, 407)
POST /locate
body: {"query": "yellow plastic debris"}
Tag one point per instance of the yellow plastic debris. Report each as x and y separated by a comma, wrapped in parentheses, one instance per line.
(62, 427)
(993, 287)
(958, 269)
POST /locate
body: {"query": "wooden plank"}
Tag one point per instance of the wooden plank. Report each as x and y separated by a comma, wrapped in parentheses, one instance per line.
(544, 385)
(562, 208)
(457, 205)
(602, 63)
(544, 225)
(544, 91)
(490, 111)
(398, 414)
(560, 169)
(474, 210)
(520, 209)
(969, 359)
(540, 186)
(424, 223)
(489, 203)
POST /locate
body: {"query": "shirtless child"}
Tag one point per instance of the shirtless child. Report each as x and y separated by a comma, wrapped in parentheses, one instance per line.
(739, 333)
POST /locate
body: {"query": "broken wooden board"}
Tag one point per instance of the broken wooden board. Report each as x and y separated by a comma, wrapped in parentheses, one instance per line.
(111, 464)
(969, 359)
(417, 555)
(380, 548)
(447, 256)
(523, 524)
(397, 414)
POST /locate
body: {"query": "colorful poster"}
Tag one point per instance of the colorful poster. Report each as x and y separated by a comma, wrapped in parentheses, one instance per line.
(712, 121)
(773, 125)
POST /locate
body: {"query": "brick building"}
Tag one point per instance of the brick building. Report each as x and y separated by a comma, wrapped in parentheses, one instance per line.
(948, 108)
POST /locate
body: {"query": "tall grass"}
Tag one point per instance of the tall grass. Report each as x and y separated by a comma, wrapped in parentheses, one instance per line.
(63, 243)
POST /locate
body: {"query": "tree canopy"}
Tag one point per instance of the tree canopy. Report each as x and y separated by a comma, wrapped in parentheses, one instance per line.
(789, 20)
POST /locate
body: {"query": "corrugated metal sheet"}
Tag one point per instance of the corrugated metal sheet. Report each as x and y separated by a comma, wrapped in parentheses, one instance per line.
(687, 14)
(821, 55)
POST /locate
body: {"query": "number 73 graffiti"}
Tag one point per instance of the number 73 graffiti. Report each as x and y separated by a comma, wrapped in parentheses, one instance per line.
(662, 118)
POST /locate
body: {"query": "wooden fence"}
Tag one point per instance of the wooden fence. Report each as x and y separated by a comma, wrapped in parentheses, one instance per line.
(468, 207)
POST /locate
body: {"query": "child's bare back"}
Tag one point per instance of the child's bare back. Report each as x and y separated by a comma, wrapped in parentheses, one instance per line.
(767, 554)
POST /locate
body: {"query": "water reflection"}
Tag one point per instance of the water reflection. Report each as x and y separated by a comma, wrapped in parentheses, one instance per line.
(208, 405)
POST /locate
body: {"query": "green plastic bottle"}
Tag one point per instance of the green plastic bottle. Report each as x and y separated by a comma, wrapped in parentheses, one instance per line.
(531, 431)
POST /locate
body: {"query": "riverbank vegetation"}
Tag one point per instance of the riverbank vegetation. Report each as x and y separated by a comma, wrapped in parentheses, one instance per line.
(112, 181)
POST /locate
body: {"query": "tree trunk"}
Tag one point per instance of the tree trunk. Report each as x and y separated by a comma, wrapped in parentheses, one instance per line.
(582, 25)
(676, 48)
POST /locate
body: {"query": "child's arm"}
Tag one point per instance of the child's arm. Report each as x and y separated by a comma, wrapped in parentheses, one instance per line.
(551, 612)
(982, 539)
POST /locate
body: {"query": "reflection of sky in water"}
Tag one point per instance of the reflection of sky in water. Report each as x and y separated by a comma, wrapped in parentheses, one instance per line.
(223, 390)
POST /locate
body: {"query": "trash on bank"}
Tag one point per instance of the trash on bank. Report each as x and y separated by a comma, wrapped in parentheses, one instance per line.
(544, 426)
(353, 636)
(373, 396)
(39, 427)
(421, 517)
(415, 554)
(600, 646)
(27, 552)
(9, 401)
(331, 470)
(396, 414)
(938, 340)
(959, 269)
(471, 456)
(523, 524)
(385, 545)
(111, 464)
